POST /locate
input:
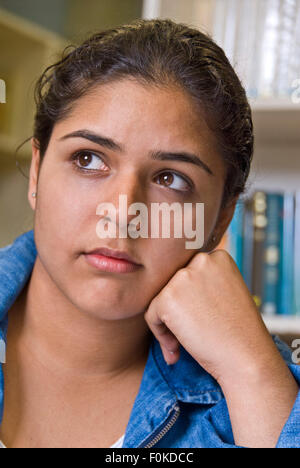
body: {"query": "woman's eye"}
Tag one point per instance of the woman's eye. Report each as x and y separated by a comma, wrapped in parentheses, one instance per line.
(89, 161)
(173, 181)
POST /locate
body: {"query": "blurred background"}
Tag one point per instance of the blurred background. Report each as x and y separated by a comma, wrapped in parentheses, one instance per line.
(32, 33)
(262, 40)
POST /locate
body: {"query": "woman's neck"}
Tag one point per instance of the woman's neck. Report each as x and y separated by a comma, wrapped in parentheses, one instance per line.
(63, 338)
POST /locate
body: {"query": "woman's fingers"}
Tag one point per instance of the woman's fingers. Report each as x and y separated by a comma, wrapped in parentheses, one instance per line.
(167, 340)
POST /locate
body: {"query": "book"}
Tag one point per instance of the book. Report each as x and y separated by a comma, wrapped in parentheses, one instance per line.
(235, 235)
(272, 255)
(248, 245)
(264, 238)
(287, 254)
(260, 222)
(297, 257)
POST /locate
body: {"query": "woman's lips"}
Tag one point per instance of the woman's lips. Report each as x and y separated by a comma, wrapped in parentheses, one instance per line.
(112, 265)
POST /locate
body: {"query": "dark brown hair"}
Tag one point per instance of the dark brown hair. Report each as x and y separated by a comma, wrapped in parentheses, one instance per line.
(157, 52)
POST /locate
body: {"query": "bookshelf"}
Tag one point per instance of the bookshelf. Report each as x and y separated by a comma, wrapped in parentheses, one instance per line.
(276, 121)
(276, 163)
(283, 325)
(25, 51)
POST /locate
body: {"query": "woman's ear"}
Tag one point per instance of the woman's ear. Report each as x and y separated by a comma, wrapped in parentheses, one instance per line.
(34, 173)
(225, 218)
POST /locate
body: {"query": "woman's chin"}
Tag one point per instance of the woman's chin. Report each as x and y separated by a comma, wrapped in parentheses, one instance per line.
(105, 306)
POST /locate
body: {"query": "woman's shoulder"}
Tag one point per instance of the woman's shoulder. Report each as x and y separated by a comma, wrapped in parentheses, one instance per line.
(22, 248)
(24, 240)
(4, 249)
(16, 264)
(285, 350)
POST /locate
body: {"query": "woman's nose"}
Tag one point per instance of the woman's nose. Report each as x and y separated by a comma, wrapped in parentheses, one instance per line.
(127, 191)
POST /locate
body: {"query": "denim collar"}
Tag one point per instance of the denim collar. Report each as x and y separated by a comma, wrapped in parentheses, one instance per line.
(162, 386)
(16, 264)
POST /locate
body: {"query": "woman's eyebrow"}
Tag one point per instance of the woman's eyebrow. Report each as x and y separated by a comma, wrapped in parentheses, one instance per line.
(181, 156)
(95, 138)
(156, 155)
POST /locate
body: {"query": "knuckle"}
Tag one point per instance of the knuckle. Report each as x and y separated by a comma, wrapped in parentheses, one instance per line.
(166, 295)
(183, 274)
(223, 255)
(201, 260)
(165, 315)
(150, 309)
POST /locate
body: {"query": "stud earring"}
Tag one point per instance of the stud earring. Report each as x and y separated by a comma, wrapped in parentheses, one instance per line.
(33, 194)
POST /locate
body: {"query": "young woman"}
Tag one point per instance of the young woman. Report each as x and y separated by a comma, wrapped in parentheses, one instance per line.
(140, 341)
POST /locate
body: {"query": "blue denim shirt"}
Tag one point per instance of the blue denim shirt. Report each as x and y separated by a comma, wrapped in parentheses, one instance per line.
(179, 406)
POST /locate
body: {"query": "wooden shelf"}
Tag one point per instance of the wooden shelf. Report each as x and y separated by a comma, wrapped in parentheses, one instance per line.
(274, 104)
(283, 324)
(276, 121)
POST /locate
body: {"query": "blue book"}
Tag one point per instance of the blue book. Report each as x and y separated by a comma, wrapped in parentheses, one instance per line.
(235, 233)
(272, 255)
(297, 257)
(248, 247)
(260, 222)
(287, 256)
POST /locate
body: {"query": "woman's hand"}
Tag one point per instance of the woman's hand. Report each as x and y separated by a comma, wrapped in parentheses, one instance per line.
(207, 307)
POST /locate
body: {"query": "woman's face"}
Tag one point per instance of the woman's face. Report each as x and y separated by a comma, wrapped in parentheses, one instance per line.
(78, 174)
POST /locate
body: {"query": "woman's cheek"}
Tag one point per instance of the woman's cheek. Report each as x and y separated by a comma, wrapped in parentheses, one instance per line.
(164, 258)
(211, 212)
